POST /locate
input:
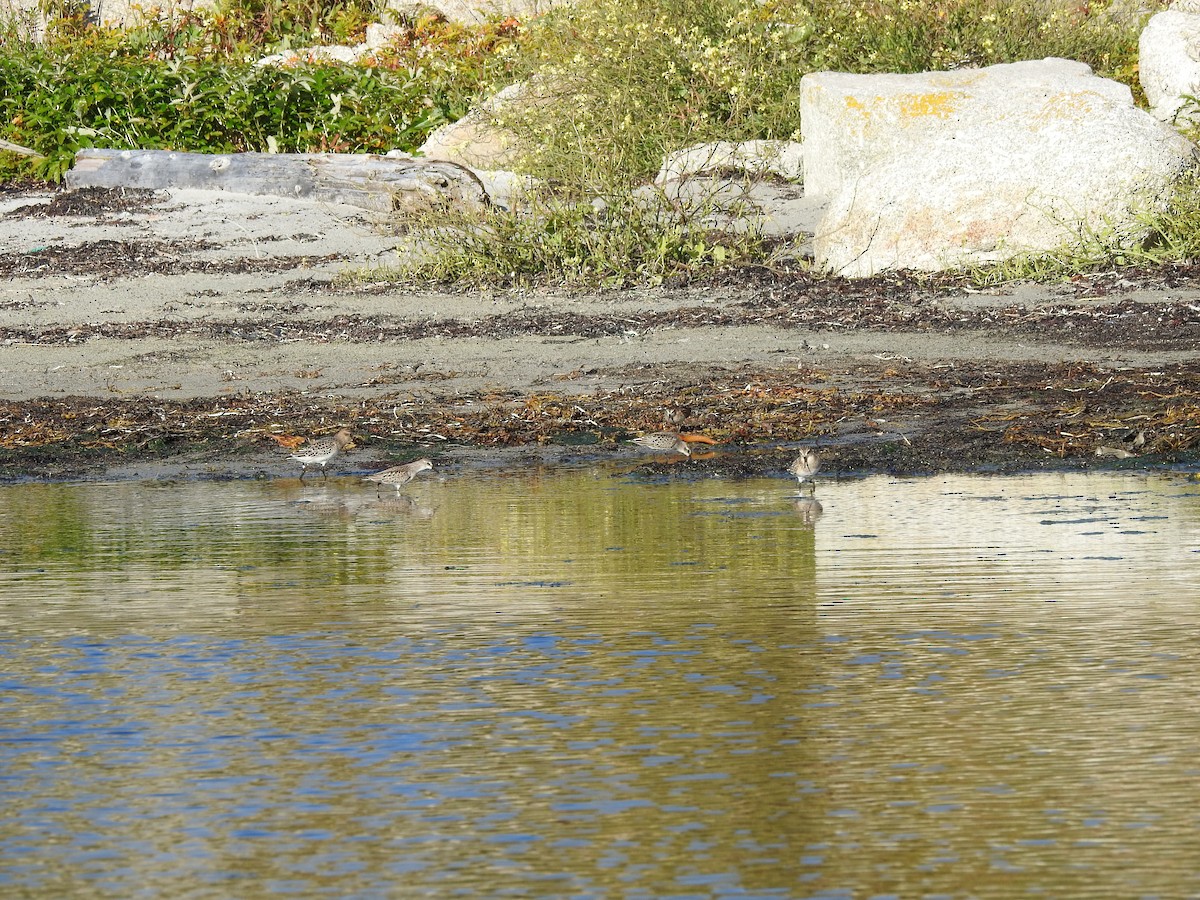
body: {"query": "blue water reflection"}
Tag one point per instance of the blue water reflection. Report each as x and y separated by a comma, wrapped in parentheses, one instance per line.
(233, 695)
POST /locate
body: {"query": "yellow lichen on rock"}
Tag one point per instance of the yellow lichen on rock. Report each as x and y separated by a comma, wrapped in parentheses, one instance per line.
(1073, 106)
(941, 104)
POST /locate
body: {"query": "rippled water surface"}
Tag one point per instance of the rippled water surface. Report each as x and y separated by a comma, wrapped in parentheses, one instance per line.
(576, 684)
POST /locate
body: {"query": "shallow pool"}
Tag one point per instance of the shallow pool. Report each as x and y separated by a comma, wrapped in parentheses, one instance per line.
(576, 683)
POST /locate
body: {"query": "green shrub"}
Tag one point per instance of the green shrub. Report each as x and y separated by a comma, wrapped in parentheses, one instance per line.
(459, 63)
(57, 103)
(627, 239)
(189, 83)
(638, 78)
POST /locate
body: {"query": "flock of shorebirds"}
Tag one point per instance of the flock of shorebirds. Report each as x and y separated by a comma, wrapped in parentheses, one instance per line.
(319, 451)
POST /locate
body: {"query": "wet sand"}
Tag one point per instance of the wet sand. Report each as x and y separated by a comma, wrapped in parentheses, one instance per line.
(173, 333)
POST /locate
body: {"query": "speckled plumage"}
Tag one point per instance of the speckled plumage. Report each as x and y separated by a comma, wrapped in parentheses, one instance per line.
(398, 476)
(319, 451)
(663, 442)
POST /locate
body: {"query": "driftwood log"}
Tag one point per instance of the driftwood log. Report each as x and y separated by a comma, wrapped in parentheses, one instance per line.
(373, 182)
(9, 147)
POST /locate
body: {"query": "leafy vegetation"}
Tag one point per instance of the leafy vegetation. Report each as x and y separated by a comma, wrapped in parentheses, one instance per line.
(625, 239)
(59, 103)
(191, 84)
(632, 81)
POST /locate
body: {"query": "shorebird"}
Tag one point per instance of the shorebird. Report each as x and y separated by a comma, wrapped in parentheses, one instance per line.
(399, 476)
(319, 451)
(675, 416)
(805, 466)
(663, 442)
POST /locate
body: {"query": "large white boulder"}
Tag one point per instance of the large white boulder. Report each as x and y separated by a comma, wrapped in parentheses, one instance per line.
(946, 169)
(851, 122)
(1169, 61)
(479, 139)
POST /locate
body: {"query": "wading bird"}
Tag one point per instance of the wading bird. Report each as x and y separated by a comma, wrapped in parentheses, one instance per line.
(319, 451)
(399, 476)
(805, 467)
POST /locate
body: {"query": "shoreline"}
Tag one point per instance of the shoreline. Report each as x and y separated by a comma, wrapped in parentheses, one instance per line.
(164, 330)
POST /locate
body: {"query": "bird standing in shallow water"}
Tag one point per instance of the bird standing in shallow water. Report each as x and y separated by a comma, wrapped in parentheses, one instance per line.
(319, 451)
(400, 475)
(663, 442)
(805, 466)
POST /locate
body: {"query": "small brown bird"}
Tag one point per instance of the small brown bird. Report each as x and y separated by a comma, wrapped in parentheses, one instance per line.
(319, 451)
(805, 466)
(663, 442)
(399, 476)
(675, 416)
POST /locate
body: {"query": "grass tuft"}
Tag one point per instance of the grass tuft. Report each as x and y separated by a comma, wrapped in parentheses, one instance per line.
(626, 239)
(1172, 237)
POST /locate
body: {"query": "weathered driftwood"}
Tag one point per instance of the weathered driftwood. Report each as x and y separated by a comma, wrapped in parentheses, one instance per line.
(10, 147)
(374, 182)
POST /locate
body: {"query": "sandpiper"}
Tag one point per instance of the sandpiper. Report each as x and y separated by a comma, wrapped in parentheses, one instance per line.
(675, 416)
(319, 451)
(663, 442)
(805, 466)
(399, 476)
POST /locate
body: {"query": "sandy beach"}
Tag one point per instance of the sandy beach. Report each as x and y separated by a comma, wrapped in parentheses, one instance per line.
(176, 331)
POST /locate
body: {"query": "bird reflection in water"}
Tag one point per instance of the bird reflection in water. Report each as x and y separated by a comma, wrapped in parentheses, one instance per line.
(399, 505)
(809, 509)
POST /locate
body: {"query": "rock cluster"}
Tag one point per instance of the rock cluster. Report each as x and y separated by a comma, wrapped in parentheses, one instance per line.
(927, 171)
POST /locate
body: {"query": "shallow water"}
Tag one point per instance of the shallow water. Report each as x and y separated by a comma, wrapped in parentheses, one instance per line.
(572, 683)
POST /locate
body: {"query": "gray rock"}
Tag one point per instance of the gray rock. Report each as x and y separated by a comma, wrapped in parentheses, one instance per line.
(334, 53)
(781, 159)
(769, 207)
(477, 139)
(1169, 62)
(472, 12)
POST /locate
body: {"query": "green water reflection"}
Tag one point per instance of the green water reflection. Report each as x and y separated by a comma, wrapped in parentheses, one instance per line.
(573, 684)
(588, 531)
